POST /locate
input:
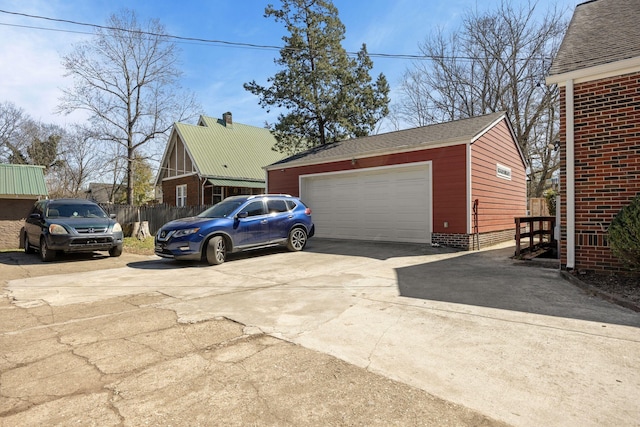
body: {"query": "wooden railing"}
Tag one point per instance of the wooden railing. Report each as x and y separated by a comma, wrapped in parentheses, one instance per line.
(540, 227)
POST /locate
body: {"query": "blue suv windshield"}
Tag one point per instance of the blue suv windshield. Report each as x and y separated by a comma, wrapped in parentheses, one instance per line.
(222, 209)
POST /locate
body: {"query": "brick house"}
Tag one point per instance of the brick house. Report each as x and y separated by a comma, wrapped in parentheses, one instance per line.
(416, 185)
(20, 187)
(597, 69)
(204, 163)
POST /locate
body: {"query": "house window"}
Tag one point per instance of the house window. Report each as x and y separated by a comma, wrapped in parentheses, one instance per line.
(181, 195)
(217, 194)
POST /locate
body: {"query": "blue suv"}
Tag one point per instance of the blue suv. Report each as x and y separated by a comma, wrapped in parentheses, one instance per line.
(235, 224)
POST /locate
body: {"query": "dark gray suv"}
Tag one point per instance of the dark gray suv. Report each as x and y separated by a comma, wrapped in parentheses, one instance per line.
(70, 225)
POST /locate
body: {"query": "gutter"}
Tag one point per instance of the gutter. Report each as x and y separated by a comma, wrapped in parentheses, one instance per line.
(571, 79)
(571, 189)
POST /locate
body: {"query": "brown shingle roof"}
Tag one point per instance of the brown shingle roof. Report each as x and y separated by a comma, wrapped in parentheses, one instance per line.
(459, 131)
(600, 32)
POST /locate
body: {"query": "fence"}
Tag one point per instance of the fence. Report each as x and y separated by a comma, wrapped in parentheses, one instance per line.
(155, 215)
(538, 207)
(543, 231)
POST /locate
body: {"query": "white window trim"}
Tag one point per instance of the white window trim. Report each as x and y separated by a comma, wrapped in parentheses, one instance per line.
(181, 199)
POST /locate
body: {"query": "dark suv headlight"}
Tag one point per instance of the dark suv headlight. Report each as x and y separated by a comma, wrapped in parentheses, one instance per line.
(57, 229)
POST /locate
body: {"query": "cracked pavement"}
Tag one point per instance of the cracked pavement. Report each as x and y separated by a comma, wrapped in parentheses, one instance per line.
(119, 358)
(340, 334)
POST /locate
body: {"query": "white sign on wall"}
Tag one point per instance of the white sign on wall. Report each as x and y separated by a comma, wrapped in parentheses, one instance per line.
(503, 172)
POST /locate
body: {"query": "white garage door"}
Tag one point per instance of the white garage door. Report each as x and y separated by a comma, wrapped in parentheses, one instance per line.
(387, 204)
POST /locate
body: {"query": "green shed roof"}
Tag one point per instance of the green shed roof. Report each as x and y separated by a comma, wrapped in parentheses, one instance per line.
(231, 151)
(21, 181)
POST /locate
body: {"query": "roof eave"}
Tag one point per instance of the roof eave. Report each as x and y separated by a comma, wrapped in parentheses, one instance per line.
(169, 147)
(22, 196)
(367, 154)
(611, 69)
(164, 156)
(231, 178)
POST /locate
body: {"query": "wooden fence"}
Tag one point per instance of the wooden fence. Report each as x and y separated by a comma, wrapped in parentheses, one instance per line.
(155, 215)
(538, 207)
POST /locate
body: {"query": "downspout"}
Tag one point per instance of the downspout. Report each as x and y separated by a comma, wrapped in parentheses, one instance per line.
(469, 195)
(204, 182)
(571, 190)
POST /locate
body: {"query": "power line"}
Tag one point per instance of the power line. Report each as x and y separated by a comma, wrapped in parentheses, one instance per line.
(185, 39)
(31, 27)
(148, 33)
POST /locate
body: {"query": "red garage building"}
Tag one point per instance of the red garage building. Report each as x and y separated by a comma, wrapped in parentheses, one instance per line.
(417, 185)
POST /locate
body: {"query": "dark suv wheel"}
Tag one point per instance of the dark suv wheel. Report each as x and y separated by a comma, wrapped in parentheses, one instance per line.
(28, 249)
(46, 254)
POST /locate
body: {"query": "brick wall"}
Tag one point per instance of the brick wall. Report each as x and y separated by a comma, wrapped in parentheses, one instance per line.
(193, 190)
(607, 164)
(466, 242)
(12, 215)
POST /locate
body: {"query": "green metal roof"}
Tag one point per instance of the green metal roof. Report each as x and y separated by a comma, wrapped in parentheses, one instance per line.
(236, 183)
(233, 151)
(22, 180)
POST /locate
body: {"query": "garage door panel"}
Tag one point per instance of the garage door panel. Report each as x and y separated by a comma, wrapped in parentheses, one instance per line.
(388, 204)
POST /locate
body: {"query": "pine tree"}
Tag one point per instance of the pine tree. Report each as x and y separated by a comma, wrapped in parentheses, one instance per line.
(326, 94)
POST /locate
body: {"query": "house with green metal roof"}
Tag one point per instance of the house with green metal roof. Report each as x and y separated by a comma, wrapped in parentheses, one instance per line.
(20, 187)
(204, 163)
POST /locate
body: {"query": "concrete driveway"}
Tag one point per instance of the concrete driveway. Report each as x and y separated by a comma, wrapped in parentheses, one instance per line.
(516, 343)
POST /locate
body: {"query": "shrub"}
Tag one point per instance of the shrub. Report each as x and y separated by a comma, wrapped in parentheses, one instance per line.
(624, 235)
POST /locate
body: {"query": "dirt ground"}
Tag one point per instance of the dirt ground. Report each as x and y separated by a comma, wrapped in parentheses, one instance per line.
(123, 362)
(623, 287)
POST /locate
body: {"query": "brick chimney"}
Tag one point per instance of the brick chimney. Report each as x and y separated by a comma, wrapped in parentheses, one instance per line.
(227, 119)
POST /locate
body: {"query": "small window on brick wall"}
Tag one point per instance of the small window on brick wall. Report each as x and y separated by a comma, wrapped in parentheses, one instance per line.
(217, 194)
(181, 195)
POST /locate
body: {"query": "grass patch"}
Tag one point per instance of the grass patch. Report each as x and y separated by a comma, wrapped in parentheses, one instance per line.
(135, 246)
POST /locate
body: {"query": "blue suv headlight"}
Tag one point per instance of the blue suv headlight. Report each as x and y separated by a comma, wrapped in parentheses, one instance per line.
(185, 232)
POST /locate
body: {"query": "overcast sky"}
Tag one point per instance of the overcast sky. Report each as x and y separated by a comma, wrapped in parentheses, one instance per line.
(31, 74)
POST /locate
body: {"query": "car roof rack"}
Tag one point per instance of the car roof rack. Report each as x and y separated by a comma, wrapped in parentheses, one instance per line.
(253, 196)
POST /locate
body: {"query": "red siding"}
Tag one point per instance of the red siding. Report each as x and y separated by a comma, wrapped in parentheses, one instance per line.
(449, 180)
(499, 199)
(607, 164)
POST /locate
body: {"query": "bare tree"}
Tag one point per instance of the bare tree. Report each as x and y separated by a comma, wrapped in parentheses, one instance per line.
(495, 62)
(26, 141)
(78, 162)
(126, 78)
(12, 143)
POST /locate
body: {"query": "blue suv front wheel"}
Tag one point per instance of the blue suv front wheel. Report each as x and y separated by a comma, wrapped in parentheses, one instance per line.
(216, 251)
